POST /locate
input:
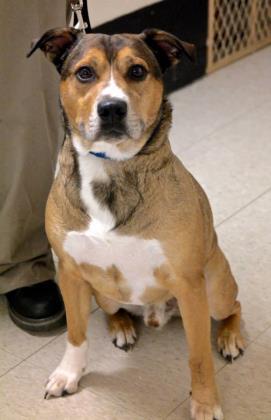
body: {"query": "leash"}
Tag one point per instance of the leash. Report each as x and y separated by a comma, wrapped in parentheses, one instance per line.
(77, 15)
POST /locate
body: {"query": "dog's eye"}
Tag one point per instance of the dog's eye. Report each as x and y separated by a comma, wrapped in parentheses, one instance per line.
(137, 72)
(85, 74)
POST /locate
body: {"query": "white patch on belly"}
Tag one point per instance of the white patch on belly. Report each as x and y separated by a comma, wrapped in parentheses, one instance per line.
(136, 258)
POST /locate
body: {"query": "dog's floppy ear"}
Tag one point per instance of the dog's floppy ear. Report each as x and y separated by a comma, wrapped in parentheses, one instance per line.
(167, 48)
(56, 43)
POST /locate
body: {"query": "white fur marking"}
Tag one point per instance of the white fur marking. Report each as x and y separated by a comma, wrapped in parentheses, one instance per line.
(67, 375)
(202, 411)
(111, 150)
(218, 413)
(136, 258)
(113, 90)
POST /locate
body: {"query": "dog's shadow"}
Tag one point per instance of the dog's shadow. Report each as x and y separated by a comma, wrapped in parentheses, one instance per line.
(158, 367)
(130, 389)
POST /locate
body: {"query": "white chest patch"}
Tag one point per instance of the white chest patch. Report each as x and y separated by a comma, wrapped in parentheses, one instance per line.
(134, 257)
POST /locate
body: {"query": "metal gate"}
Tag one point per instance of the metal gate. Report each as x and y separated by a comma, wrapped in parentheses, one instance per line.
(236, 28)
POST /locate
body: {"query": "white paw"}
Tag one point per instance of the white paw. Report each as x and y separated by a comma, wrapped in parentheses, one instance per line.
(66, 376)
(124, 339)
(205, 412)
(61, 382)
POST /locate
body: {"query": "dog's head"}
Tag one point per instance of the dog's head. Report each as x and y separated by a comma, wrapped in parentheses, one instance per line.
(111, 87)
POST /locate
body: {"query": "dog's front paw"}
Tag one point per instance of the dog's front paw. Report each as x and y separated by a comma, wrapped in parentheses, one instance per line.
(62, 382)
(200, 411)
(65, 378)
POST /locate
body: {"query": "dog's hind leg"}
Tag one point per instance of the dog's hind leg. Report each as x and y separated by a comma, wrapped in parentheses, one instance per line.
(222, 292)
(77, 299)
(122, 330)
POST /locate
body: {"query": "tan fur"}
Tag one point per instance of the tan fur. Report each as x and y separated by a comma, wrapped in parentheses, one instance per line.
(121, 323)
(177, 218)
(77, 297)
(66, 213)
(155, 294)
(109, 283)
(76, 97)
(155, 197)
(96, 58)
(108, 305)
(119, 320)
(145, 97)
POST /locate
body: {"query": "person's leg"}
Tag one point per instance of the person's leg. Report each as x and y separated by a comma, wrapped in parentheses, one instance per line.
(30, 137)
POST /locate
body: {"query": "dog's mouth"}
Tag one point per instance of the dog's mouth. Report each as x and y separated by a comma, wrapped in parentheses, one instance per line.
(113, 132)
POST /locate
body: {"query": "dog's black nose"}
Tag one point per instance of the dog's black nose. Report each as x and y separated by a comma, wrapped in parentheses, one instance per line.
(112, 110)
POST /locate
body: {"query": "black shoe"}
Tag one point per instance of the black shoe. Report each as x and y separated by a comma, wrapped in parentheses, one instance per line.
(37, 308)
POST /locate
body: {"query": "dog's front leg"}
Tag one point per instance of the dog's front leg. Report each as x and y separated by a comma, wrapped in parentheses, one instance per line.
(192, 300)
(77, 299)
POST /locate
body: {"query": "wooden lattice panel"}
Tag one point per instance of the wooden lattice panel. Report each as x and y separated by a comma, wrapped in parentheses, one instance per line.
(236, 28)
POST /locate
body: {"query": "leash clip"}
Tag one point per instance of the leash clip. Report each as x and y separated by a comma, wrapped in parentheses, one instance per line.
(77, 6)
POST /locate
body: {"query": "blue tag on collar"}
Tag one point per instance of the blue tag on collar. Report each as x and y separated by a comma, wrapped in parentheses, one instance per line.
(100, 155)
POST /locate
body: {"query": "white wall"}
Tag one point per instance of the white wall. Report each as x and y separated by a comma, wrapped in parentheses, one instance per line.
(101, 11)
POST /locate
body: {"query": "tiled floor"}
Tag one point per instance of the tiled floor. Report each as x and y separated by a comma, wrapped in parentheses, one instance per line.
(222, 132)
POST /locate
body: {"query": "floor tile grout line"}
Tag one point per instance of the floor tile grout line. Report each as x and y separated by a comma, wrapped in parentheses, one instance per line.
(9, 352)
(116, 402)
(243, 208)
(261, 333)
(216, 373)
(57, 335)
(239, 358)
(250, 342)
(36, 351)
(187, 398)
(219, 370)
(32, 354)
(15, 355)
(264, 346)
(219, 128)
(174, 409)
(13, 367)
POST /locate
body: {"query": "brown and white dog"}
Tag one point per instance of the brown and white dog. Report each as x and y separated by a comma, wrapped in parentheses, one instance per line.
(129, 224)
